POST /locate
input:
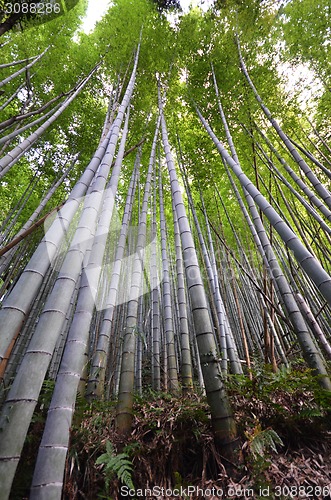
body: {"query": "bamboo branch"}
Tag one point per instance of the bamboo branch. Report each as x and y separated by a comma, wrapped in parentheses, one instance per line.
(26, 233)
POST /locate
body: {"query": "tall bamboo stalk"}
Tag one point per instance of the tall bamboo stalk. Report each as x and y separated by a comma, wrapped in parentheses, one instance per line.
(166, 299)
(222, 418)
(318, 186)
(96, 381)
(309, 348)
(126, 384)
(22, 398)
(312, 267)
(186, 361)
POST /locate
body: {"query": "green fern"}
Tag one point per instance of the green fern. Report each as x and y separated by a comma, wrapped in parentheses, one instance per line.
(261, 441)
(118, 465)
(310, 413)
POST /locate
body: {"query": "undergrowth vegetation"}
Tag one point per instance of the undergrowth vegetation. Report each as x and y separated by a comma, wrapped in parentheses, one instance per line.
(284, 426)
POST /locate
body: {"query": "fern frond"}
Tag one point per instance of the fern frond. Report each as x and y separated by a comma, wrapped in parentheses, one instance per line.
(119, 465)
(263, 441)
(102, 459)
(109, 448)
(310, 413)
(126, 479)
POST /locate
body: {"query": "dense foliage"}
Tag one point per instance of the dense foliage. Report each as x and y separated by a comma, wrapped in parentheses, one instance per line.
(26, 13)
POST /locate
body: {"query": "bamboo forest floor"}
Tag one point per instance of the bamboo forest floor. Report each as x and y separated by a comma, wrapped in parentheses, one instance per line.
(285, 440)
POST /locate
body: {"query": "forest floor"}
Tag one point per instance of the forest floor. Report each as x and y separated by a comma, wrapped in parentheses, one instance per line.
(284, 444)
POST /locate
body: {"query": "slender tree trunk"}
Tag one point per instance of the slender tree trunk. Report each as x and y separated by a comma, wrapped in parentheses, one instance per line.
(96, 381)
(12, 97)
(312, 267)
(56, 433)
(312, 198)
(126, 385)
(166, 298)
(23, 396)
(156, 334)
(218, 302)
(23, 70)
(24, 231)
(7, 139)
(17, 305)
(186, 361)
(318, 186)
(222, 418)
(24, 146)
(309, 348)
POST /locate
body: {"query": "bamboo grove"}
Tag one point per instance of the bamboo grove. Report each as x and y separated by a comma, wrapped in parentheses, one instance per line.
(166, 209)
